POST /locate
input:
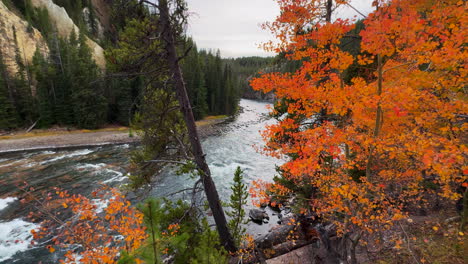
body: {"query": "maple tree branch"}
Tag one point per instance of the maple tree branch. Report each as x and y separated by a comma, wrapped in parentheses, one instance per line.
(398, 66)
(379, 114)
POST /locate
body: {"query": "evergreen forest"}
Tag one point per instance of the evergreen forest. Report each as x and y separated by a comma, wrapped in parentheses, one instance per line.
(67, 88)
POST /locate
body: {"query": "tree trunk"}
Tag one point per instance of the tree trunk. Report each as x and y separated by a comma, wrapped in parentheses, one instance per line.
(328, 8)
(209, 186)
(378, 117)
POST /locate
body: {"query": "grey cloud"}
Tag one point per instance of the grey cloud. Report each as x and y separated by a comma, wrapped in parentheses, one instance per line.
(234, 26)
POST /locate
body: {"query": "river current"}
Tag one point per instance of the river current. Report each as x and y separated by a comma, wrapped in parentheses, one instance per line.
(79, 171)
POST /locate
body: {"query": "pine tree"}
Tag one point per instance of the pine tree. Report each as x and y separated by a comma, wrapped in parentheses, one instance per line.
(219, 109)
(231, 98)
(64, 61)
(8, 114)
(44, 90)
(22, 87)
(89, 104)
(92, 19)
(238, 200)
(214, 81)
(41, 21)
(194, 79)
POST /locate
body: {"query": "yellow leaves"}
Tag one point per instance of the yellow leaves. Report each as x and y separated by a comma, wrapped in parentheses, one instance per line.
(91, 230)
(423, 75)
(398, 244)
(435, 228)
(365, 60)
(50, 248)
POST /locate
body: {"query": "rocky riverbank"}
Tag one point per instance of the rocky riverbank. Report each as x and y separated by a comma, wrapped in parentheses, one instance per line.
(62, 138)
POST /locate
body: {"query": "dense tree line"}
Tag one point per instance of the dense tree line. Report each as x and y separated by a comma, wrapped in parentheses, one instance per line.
(212, 86)
(67, 88)
(246, 68)
(59, 89)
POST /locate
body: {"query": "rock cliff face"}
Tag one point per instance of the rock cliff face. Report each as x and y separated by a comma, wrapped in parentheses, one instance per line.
(65, 25)
(28, 39)
(103, 12)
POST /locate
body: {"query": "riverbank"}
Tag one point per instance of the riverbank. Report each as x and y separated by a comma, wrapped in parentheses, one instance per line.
(64, 138)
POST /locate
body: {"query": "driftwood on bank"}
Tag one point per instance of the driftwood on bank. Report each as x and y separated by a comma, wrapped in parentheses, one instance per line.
(318, 240)
(32, 126)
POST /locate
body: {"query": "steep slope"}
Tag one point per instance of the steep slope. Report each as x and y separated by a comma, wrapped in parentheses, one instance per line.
(65, 26)
(103, 12)
(28, 39)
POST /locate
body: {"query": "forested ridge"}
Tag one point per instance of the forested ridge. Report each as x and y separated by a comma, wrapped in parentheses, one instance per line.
(65, 87)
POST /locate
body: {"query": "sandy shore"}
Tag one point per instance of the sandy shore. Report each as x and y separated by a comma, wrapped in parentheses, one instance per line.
(75, 139)
(68, 140)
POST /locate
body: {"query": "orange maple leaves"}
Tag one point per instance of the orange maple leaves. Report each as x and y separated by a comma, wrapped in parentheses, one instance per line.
(101, 233)
(401, 126)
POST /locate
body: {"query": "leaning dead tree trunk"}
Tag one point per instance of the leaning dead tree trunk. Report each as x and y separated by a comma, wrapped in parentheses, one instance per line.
(209, 186)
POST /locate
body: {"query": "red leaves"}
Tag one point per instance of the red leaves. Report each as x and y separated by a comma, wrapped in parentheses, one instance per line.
(399, 112)
(415, 99)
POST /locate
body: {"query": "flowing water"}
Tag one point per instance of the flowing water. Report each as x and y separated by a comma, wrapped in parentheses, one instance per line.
(79, 170)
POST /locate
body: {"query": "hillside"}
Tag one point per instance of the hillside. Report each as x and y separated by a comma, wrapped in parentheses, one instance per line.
(29, 38)
(64, 63)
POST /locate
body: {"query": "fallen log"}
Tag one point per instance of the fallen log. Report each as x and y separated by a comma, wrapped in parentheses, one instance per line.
(279, 234)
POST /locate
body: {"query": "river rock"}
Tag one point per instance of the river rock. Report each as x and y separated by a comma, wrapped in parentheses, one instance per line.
(258, 215)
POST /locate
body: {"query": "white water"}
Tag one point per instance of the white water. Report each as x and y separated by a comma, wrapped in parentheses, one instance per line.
(15, 236)
(88, 166)
(80, 170)
(101, 204)
(117, 178)
(11, 163)
(73, 154)
(5, 201)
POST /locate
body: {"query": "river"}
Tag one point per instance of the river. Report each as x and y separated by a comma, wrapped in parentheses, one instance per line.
(79, 170)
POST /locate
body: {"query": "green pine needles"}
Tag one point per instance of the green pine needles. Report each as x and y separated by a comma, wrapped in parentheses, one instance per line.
(237, 202)
(176, 234)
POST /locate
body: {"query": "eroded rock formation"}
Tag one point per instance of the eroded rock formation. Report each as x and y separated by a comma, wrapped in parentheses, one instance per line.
(28, 39)
(65, 25)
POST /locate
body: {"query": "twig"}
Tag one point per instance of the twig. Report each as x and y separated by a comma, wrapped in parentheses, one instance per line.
(185, 53)
(183, 190)
(167, 161)
(408, 244)
(149, 3)
(192, 205)
(356, 10)
(397, 66)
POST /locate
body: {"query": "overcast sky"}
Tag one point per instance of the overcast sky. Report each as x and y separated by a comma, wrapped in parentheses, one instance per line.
(233, 26)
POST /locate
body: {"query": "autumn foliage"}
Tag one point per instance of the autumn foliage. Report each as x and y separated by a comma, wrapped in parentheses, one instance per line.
(92, 235)
(370, 146)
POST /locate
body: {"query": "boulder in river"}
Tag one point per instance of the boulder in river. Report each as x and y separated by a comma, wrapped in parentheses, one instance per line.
(258, 215)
